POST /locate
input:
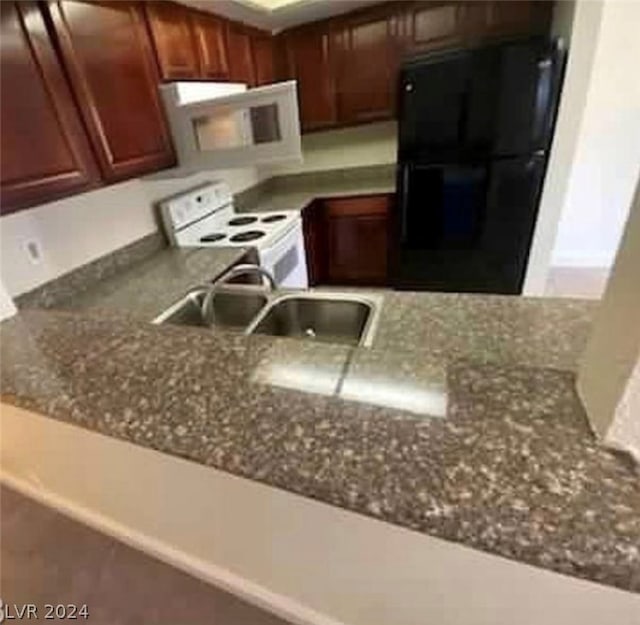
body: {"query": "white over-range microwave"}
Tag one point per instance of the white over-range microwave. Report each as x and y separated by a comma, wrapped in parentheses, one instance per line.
(225, 125)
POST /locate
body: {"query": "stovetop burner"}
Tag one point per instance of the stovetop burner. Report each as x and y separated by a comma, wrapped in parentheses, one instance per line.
(269, 219)
(242, 221)
(213, 237)
(249, 235)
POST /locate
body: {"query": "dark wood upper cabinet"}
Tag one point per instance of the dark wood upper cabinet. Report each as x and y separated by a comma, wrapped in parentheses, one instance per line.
(503, 18)
(306, 58)
(262, 48)
(347, 66)
(175, 46)
(45, 152)
(210, 39)
(365, 58)
(241, 67)
(108, 55)
(428, 26)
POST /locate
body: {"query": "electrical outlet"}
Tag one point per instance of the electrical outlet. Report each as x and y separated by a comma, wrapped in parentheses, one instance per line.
(33, 250)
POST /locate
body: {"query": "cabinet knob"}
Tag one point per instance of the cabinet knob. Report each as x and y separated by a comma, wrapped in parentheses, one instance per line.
(408, 87)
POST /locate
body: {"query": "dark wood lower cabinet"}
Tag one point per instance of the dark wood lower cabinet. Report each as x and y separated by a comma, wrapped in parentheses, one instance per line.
(347, 240)
(315, 242)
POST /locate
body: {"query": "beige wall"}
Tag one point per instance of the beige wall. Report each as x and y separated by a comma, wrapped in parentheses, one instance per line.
(607, 155)
(608, 374)
(79, 229)
(371, 144)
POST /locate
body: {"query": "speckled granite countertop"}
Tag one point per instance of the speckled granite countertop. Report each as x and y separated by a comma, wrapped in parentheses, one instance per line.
(437, 428)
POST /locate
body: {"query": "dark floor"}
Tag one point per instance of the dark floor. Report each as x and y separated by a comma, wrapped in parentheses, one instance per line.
(47, 558)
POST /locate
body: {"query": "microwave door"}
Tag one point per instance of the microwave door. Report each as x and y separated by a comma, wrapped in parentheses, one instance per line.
(253, 127)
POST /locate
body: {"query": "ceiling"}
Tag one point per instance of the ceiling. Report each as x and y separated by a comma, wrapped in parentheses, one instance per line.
(275, 15)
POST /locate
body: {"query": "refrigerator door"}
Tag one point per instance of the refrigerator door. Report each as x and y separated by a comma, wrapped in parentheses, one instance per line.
(467, 228)
(512, 201)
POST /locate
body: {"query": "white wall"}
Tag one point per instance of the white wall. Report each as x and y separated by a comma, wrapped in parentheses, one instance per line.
(7, 307)
(607, 154)
(79, 229)
(371, 144)
(578, 22)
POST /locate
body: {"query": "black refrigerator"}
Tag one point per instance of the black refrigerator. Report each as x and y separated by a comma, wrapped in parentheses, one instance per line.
(475, 128)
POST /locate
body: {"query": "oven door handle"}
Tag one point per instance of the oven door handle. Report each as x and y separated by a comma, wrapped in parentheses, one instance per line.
(271, 256)
(284, 241)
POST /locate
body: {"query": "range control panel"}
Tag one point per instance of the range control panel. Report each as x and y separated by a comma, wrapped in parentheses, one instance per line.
(190, 206)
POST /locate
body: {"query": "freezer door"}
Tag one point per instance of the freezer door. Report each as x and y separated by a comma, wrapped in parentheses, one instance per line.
(513, 97)
(432, 105)
(467, 228)
(498, 100)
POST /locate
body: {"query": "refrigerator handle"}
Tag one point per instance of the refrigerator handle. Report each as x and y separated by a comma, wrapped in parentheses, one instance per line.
(542, 99)
(548, 84)
(404, 203)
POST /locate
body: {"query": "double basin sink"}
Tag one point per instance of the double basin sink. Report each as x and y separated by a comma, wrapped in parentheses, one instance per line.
(325, 316)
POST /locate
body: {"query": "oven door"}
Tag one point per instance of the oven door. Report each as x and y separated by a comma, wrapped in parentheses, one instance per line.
(225, 125)
(286, 260)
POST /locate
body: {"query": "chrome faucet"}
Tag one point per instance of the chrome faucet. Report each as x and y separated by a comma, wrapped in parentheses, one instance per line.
(208, 316)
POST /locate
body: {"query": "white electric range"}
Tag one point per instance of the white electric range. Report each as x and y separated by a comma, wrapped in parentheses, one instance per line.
(205, 217)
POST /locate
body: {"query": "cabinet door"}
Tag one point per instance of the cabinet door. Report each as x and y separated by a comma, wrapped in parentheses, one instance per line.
(108, 55)
(45, 151)
(358, 240)
(240, 57)
(366, 65)
(209, 33)
(315, 242)
(428, 26)
(263, 58)
(173, 38)
(504, 18)
(307, 60)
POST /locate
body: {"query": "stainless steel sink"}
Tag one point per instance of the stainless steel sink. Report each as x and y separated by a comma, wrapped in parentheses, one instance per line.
(326, 316)
(319, 315)
(234, 307)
